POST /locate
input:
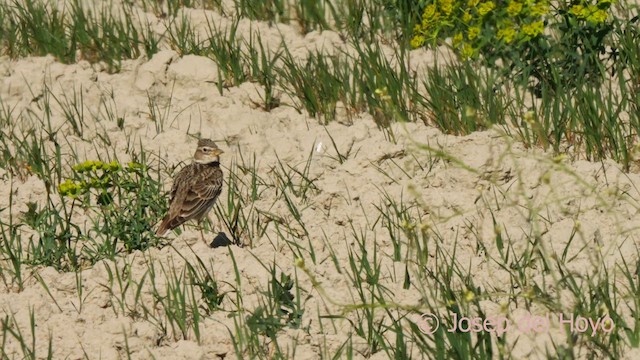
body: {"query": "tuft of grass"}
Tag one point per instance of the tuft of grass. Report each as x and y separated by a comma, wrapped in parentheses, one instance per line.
(11, 248)
(178, 303)
(460, 101)
(271, 11)
(319, 83)
(311, 15)
(10, 329)
(225, 47)
(183, 38)
(239, 214)
(38, 28)
(262, 63)
(296, 181)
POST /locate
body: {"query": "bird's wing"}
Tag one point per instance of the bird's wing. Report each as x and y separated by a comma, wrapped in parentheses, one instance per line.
(181, 177)
(196, 195)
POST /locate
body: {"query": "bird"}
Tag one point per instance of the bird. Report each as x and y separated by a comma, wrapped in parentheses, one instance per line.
(195, 188)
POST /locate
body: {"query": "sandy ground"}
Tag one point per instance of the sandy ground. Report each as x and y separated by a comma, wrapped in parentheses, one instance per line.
(499, 177)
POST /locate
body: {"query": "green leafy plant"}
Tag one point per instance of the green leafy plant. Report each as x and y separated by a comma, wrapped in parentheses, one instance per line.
(281, 310)
(524, 38)
(127, 199)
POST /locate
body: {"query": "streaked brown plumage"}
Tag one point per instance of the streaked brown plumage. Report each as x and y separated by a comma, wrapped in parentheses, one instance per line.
(195, 188)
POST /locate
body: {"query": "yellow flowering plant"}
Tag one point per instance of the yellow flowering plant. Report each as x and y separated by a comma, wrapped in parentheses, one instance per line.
(127, 199)
(519, 33)
(473, 23)
(95, 175)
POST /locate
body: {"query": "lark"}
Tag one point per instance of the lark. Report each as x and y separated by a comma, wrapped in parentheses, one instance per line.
(195, 188)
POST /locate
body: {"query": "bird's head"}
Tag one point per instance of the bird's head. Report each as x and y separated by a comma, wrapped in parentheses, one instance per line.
(207, 152)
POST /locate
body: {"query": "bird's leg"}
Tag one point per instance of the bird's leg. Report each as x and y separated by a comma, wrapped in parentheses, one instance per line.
(201, 226)
(210, 222)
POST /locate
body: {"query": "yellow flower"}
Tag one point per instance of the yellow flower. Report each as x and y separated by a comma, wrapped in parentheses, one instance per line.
(539, 9)
(597, 16)
(473, 33)
(87, 165)
(417, 41)
(579, 11)
(425, 25)
(486, 8)
(507, 35)
(408, 225)
(133, 166)
(472, 3)
(457, 39)
(466, 17)
(514, 8)
(383, 93)
(530, 117)
(467, 51)
(63, 187)
(469, 296)
(70, 188)
(560, 158)
(534, 29)
(429, 13)
(446, 6)
(114, 166)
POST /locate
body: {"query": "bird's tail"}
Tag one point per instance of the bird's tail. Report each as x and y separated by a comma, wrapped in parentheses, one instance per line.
(164, 227)
(169, 223)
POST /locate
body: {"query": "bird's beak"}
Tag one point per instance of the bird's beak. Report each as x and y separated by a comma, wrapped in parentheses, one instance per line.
(217, 152)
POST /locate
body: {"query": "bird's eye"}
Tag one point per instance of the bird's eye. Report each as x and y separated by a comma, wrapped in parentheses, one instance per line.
(205, 149)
